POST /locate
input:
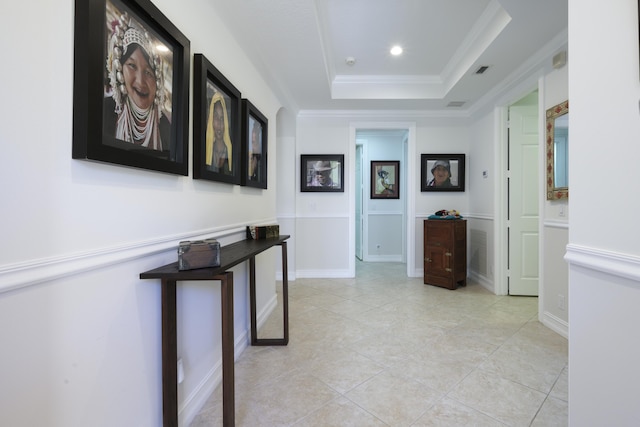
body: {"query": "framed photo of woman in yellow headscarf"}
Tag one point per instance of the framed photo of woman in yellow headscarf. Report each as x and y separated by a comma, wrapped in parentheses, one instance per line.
(216, 125)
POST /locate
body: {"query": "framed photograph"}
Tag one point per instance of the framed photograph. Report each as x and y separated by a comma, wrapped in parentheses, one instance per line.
(254, 140)
(130, 86)
(385, 179)
(217, 117)
(322, 172)
(442, 172)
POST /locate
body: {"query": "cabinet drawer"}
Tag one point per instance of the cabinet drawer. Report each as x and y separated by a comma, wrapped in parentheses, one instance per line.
(438, 235)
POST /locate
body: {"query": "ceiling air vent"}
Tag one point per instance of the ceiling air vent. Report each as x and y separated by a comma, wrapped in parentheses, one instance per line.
(482, 69)
(456, 104)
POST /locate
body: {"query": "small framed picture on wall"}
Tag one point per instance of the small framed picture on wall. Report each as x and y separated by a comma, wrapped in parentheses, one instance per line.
(254, 138)
(217, 151)
(442, 172)
(322, 173)
(385, 179)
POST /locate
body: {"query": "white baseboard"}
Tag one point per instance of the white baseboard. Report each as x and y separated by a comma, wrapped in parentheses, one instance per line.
(555, 324)
(323, 274)
(291, 276)
(194, 403)
(482, 280)
(383, 258)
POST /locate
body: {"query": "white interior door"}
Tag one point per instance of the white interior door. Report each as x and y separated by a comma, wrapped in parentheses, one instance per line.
(523, 210)
(359, 200)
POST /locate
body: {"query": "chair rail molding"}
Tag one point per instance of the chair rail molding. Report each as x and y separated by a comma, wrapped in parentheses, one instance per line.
(33, 272)
(613, 263)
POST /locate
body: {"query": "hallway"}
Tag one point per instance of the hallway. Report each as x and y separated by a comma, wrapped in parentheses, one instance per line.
(386, 350)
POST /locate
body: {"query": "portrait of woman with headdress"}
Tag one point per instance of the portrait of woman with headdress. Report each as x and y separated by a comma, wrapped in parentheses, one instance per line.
(135, 92)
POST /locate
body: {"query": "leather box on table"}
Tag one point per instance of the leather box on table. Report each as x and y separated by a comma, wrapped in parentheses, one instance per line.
(194, 254)
(256, 232)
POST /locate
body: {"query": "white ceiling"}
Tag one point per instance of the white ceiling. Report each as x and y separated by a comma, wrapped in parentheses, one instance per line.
(301, 47)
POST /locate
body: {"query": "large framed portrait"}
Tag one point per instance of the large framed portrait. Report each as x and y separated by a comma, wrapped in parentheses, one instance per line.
(217, 116)
(385, 179)
(254, 140)
(442, 172)
(131, 86)
(322, 173)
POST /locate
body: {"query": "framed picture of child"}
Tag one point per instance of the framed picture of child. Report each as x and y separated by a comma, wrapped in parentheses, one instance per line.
(131, 86)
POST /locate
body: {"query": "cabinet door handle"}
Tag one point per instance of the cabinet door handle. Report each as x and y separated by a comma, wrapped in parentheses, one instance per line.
(428, 259)
(447, 253)
(448, 269)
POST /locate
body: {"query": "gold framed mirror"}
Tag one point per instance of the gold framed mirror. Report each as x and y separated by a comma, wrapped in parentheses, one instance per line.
(558, 151)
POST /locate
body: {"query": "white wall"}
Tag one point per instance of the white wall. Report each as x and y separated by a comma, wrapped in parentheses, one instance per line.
(481, 216)
(286, 183)
(326, 134)
(439, 137)
(80, 332)
(322, 219)
(603, 251)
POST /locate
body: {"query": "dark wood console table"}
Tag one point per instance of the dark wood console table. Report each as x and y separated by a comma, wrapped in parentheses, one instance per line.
(230, 256)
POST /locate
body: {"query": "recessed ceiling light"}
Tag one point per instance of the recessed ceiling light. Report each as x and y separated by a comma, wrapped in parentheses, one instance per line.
(396, 50)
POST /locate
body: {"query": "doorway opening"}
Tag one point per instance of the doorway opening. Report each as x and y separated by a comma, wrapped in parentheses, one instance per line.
(381, 224)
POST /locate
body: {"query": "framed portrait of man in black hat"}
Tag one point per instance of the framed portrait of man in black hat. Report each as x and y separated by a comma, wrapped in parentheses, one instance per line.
(322, 173)
(442, 172)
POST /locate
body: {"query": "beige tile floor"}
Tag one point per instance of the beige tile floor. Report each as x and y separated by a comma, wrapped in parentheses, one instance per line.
(386, 350)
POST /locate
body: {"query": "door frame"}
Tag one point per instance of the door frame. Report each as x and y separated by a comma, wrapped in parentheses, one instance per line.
(359, 193)
(410, 186)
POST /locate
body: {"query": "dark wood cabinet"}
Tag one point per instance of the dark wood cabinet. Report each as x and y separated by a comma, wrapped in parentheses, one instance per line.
(445, 252)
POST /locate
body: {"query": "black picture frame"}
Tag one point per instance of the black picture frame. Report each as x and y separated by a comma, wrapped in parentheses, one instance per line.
(456, 166)
(211, 87)
(385, 179)
(322, 173)
(113, 42)
(255, 145)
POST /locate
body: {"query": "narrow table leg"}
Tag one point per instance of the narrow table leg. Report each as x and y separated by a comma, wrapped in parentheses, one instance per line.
(285, 303)
(169, 354)
(228, 390)
(285, 292)
(252, 300)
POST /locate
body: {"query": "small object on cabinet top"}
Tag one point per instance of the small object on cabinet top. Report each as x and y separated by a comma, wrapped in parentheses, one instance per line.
(256, 232)
(445, 214)
(198, 254)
